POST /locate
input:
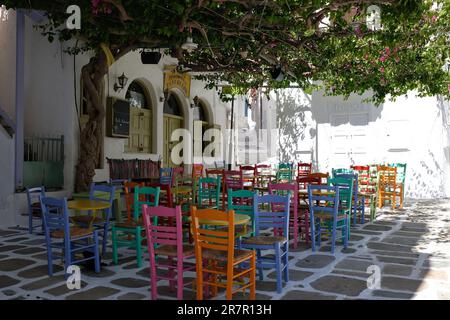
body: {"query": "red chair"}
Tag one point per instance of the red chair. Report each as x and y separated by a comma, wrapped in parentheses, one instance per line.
(283, 189)
(233, 181)
(197, 171)
(249, 176)
(304, 169)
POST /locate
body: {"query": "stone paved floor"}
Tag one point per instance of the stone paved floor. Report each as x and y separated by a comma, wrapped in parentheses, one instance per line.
(411, 247)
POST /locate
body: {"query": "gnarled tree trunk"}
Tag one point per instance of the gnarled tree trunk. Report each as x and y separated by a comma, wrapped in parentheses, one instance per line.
(91, 136)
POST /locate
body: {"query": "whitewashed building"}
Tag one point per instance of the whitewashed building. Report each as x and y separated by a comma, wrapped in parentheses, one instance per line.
(327, 131)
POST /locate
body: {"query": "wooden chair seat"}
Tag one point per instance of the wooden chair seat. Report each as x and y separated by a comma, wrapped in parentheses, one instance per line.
(75, 232)
(327, 215)
(223, 255)
(130, 224)
(87, 220)
(264, 240)
(171, 251)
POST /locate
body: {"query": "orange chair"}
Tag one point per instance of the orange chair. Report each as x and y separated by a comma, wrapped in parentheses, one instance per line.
(129, 197)
(217, 247)
(387, 185)
(197, 171)
(322, 176)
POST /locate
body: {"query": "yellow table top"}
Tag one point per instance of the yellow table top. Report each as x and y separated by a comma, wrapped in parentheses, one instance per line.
(238, 220)
(87, 205)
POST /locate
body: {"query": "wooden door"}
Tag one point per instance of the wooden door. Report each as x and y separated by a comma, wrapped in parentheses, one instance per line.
(140, 140)
(171, 123)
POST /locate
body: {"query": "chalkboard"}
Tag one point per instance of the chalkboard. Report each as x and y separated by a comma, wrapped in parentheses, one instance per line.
(119, 118)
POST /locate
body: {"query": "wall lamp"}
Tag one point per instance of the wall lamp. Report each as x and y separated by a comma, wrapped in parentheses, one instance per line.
(121, 82)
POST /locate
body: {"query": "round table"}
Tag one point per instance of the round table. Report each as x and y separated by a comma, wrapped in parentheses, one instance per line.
(238, 220)
(88, 205)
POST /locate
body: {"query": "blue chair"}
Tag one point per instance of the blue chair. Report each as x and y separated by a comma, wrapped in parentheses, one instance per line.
(34, 196)
(324, 202)
(99, 223)
(165, 176)
(71, 240)
(277, 221)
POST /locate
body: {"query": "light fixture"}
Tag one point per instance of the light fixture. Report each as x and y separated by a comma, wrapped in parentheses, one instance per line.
(277, 73)
(122, 82)
(189, 45)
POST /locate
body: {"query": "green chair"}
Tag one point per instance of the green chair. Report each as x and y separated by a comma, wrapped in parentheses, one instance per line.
(345, 198)
(335, 172)
(400, 183)
(131, 234)
(209, 193)
(241, 201)
(285, 173)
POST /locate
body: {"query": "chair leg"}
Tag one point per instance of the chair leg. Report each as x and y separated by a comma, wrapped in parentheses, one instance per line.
(30, 223)
(96, 253)
(313, 234)
(333, 236)
(138, 246)
(307, 230)
(253, 277)
(286, 263)
(180, 284)
(260, 267)
(154, 280)
(105, 238)
(115, 256)
(67, 258)
(199, 280)
(278, 267)
(49, 259)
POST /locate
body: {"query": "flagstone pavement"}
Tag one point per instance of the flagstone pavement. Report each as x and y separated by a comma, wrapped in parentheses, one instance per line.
(411, 248)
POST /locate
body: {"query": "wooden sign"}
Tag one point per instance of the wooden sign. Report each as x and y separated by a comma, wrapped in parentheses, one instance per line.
(118, 118)
(174, 79)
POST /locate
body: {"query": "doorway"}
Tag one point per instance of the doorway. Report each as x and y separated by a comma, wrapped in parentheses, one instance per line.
(173, 120)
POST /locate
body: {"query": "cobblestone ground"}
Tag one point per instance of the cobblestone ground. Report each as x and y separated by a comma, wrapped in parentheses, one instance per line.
(410, 246)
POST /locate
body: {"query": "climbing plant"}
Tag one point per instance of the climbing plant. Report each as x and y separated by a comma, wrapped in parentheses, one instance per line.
(248, 43)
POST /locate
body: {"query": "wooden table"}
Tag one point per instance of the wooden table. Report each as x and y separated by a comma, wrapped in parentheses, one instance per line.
(117, 205)
(88, 205)
(239, 219)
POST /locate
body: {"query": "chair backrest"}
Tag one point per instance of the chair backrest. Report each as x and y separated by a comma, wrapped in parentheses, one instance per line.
(324, 198)
(401, 172)
(354, 178)
(129, 189)
(267, 217)
(387, 178)
(364, 184)
(322, 176)
(304, 182)
(345, 186)
(233, 180)
(197, 171)
(34, 196)
(334, 172)
(263, 174)
(285, 172)
(110, 190)
(145, 195)
(176, 172)
(158, 234)
(304, 169)
(286, 189)
(220, 164)
(209, 191)
(207, 238)
(214, 173)
(248, 174)
(241, 201)
(165, 176)
(56, 216)
(166, 201)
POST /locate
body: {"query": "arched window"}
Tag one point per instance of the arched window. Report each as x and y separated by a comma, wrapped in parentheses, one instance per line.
(137, 97)
(140, 140)
(172, 106)
(200, 112)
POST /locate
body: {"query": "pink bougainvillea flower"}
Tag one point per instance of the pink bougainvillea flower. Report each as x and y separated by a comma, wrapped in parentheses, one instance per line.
(397, 59)
(382, 69)
(434, 19)
(388, 51)
(383, 58)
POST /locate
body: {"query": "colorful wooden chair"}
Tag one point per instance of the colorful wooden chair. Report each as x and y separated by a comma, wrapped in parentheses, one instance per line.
(233, 181)
(291, 190)
(345, 198)
(367, 189)
(249, 176)
(100, 223)
(269, 220)
(165, 176)
(71, 240)
(209, 190)
(400, 183)
(218, 173)
(263, 178)
(220, 164)
(217, 258)
(322, 176)
(121, 232)
(167, 241)
(34, 196)
(387, 185)
(324, 212)
(359, 201)
(241, 202)
(304, 169)
(177, 172)
(285, 173)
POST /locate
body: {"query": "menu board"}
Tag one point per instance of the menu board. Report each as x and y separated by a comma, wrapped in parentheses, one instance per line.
(119, 118)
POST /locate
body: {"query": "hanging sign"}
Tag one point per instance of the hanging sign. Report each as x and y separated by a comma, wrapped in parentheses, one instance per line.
(174, 79)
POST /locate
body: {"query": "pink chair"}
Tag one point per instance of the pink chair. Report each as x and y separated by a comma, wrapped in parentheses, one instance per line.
(283, 189)
(164, 240)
